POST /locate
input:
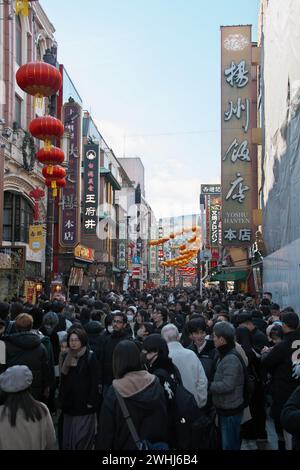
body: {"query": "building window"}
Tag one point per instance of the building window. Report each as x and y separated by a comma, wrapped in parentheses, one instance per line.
(17, 216)
(18, 110)
(18, 41)
(33, 270)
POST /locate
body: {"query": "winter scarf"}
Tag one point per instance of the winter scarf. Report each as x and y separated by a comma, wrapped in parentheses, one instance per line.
(72, 359)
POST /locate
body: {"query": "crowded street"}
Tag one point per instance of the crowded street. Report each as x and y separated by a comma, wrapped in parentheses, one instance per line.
(149, 269)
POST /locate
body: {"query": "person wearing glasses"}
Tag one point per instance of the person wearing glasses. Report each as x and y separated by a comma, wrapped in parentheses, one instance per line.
(78, 393)
(119, 333)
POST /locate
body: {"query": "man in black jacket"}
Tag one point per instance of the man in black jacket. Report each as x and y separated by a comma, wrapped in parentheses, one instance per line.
(25, 348)
(204, 348)
(120, 332)
(279, 363)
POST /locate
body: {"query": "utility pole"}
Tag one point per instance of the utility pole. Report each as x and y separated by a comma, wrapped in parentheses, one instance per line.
(50, 57)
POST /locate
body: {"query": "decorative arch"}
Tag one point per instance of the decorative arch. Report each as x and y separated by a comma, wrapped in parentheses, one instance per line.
(20, 185)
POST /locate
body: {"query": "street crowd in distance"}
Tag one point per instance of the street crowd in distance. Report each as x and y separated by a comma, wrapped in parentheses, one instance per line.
(188, 372)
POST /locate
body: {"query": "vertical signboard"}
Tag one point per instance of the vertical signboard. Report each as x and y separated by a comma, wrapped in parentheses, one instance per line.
(122, 246)
(69, 213)
(239, 164)
(91, 188)
(215, 225)
(153, 253)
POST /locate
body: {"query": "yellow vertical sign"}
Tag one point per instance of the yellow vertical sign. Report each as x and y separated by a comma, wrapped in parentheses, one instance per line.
(36, 238)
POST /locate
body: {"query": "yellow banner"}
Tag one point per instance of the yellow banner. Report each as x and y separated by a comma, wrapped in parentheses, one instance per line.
(36, 238)
(30, 292)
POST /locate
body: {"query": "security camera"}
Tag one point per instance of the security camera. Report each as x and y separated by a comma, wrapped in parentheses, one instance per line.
(2, 121)
(10, 16)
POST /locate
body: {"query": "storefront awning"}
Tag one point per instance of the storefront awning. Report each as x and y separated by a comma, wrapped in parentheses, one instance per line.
(229, 276)
(110, 177)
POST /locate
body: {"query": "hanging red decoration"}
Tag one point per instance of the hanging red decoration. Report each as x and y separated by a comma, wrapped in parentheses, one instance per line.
(46, 128)
(37, 194)
(53, 156)
(59, 183)
(54, 172)
(39, 79)
(55, 184)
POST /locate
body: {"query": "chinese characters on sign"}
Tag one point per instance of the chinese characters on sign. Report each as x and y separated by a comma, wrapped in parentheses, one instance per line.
(214, 189)
(239, 164)
(70, 205)
(122, 245)
(36, 238)
(215, 229)
(153, 253)
(91, 188)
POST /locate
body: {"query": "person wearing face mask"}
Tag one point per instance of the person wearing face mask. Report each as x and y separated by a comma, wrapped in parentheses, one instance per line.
(145, 330)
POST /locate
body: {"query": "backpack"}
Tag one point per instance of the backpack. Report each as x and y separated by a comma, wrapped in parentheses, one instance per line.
(249, 381)
(206, 435)
(185, 413)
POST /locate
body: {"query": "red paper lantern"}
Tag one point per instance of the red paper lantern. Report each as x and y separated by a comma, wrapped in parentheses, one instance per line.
(54, 156)
(55, 184)
(39, 79)
(54, 172)
(46, 128)
(59, 183)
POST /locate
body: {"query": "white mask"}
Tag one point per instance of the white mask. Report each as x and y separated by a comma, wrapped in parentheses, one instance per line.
(110, 329)
(129, 318)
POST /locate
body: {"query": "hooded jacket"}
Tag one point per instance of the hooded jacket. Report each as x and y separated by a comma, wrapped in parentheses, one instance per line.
(26, 349)
(96, 340)
(144, 398)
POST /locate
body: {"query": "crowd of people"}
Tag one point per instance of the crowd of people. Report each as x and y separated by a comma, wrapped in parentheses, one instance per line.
(160, 369)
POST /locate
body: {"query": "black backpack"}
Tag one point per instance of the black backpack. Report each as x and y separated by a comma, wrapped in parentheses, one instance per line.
(184, 410)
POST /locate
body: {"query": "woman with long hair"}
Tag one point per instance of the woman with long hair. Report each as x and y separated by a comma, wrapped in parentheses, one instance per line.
(144, 398)
(26, 424)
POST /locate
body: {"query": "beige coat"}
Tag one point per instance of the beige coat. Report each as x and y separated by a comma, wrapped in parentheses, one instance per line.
(27, 435)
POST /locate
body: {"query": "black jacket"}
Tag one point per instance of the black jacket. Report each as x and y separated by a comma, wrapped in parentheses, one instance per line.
(111, 341)
(27, 349)
(94, 330)
(279, 363)
(169, 377)
(79, 387)
(147, 409)
(290, 417)
(207, 357)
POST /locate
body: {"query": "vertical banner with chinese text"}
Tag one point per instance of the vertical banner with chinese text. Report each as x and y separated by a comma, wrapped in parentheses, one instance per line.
(239, 166)
(69, 217)
(215, 225)
(91, 188)
(122, 246)
(153, 253)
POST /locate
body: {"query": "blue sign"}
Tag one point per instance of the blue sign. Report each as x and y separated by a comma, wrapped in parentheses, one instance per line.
(136, 260)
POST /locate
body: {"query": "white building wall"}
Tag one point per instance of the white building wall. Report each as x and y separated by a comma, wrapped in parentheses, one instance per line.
(282, 276)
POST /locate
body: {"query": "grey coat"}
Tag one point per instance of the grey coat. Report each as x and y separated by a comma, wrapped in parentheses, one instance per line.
(227, 387)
